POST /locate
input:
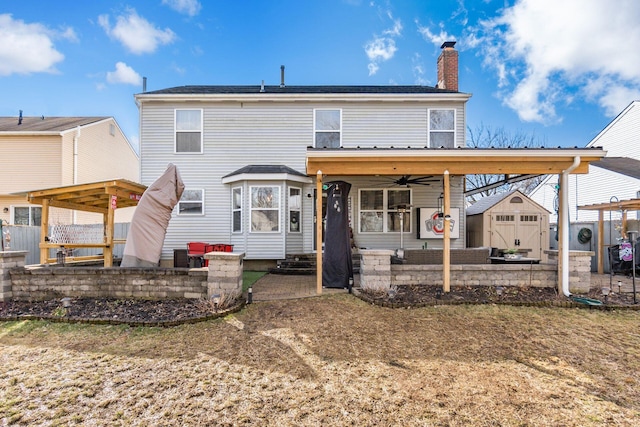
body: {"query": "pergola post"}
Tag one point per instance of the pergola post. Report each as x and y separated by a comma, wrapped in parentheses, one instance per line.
(601, 241)
(44, 231)
(446, 242)
(319, 232)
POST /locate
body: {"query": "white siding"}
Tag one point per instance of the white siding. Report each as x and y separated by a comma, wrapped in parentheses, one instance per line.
(240, 134)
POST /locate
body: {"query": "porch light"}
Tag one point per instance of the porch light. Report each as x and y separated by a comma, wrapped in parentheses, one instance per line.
(440, 205)
(216, 300)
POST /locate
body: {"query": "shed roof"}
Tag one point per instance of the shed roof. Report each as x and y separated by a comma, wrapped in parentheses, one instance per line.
(488, 202)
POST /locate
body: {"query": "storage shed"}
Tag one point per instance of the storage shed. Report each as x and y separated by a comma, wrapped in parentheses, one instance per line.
(509, 220)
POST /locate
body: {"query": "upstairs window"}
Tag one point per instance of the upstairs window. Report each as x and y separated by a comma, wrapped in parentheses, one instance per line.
(442, 128)
(327, 128)
(191, 203)
(188, 128)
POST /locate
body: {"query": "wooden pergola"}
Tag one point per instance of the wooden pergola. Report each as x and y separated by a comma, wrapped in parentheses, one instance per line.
(453, 161)
(99, 197)
(618, 205)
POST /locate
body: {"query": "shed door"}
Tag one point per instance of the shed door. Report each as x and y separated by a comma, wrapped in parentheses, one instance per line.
(517, 230)
(529, 232)
(503, 230)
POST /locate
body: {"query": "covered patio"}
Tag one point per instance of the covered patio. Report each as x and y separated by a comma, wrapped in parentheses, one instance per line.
(343, 162)
(102, 197)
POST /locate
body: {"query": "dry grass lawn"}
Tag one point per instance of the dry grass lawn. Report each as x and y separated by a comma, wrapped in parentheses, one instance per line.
(332, 360)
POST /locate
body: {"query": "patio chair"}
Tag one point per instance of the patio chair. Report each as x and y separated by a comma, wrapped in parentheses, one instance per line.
(195, 253)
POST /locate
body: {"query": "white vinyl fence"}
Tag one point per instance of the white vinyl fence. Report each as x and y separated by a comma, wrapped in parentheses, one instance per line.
(27, 238)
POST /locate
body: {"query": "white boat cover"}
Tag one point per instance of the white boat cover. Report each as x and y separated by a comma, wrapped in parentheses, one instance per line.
(151, 219)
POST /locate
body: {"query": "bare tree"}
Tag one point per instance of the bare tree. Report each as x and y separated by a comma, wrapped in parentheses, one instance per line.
(486, 137)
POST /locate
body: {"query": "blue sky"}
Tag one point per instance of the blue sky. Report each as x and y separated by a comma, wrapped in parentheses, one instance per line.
(558, 69)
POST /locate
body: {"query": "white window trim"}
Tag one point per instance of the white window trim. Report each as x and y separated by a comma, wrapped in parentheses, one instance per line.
(12, 213)
(289, 210)
(429, 130)
(234, 210)
(191, 201)
(385, 210)
(175, 131)
(327, 131)
(279, 208)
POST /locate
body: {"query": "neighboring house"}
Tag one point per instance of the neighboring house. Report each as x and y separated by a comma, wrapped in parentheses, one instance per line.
(617, 176)
(47, 152)
(241, 152)
(509, 220)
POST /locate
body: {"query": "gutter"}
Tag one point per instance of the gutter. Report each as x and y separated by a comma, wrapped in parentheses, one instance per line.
(564, 209)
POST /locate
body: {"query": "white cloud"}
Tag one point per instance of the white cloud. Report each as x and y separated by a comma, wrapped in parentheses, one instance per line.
(124, 74)
(382, 48)
(547, 52)
(435, 38)
(187, 7)
(136, 33)
(26, 48)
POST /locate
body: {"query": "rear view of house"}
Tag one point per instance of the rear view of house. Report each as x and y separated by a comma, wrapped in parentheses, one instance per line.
(241, 152)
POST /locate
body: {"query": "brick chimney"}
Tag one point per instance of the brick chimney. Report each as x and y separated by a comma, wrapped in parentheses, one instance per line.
(448, 67)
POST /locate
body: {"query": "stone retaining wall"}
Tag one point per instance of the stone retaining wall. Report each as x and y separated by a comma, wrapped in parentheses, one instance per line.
(377, 273)
(222, 277)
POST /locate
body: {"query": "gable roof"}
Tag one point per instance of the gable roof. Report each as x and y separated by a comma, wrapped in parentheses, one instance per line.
(622, 165)
(488, 202)
(256, 89)
(45, 124)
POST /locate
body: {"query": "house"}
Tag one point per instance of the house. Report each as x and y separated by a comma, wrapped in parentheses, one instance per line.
(509, 220)
(256, 160)
(615, 177)
(45, 152)
(241, 152)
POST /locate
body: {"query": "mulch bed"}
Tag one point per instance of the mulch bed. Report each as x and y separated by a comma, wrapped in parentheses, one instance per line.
(425, 295)
(134, 312)
(137, 312)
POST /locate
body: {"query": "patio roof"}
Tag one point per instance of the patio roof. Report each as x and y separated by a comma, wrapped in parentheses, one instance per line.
(458, 161)
(91, 197)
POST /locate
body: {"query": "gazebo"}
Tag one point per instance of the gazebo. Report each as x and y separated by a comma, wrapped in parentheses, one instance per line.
(454, 161)
(102, 197)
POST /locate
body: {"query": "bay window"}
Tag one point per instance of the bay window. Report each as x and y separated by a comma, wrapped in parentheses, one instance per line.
(265, 209)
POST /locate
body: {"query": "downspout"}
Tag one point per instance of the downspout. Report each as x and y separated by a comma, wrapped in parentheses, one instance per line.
(564, 221)
(75, 165)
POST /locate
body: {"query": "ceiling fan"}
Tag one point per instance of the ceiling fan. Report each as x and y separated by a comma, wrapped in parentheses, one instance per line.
(407, 180)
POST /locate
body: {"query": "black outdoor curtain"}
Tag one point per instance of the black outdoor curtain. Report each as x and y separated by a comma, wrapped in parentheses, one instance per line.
(337, 265)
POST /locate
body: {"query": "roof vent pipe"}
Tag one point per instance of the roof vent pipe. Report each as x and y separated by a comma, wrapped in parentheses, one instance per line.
(282, 76)
(20, 118)
(144, 84)
(262, 87)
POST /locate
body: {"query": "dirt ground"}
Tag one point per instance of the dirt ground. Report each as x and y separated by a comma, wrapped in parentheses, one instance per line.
(331, 360)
